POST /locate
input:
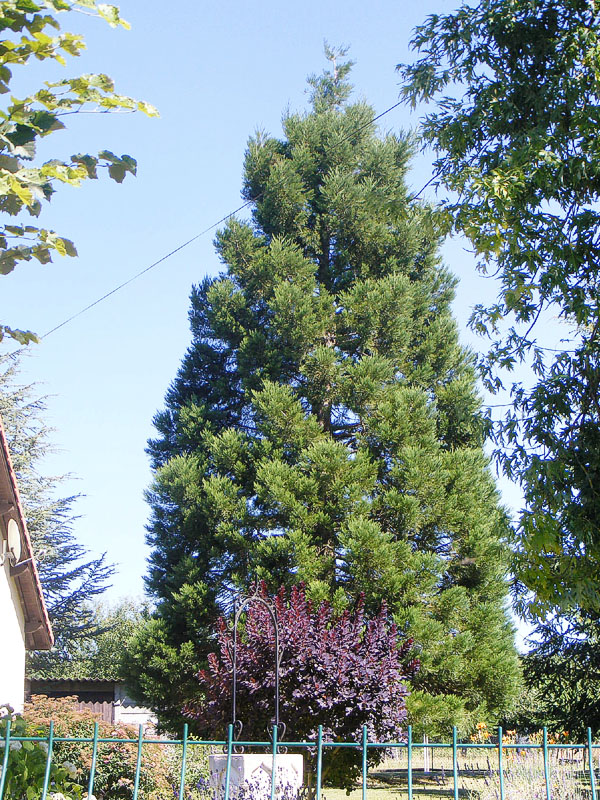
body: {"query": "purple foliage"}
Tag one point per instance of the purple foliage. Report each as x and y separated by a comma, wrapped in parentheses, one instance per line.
(340, 671)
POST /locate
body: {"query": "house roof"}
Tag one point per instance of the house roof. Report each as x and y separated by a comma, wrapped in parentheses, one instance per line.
(38, 631)
(37, 685)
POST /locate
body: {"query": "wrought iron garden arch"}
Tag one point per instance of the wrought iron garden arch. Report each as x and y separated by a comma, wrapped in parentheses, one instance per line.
(240, 604)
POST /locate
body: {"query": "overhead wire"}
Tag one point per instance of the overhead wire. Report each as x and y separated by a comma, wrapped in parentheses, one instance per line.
(144, 271)
(197, 236)
(223, 219)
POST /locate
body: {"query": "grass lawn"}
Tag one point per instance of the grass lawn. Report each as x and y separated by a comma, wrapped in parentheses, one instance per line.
(391, 782)
(477, 778)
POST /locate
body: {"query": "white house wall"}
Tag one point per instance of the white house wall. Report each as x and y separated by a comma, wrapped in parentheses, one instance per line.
(12, 650)
(128, 712)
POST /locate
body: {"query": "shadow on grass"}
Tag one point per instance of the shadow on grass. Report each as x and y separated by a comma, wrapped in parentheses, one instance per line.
(401, 792)
(434, 776)
(436, 783)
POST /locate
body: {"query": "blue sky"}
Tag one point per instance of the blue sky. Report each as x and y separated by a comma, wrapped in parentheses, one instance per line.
(216, 72)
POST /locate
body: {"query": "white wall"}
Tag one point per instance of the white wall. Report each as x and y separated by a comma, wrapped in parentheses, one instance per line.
(128, 712)
(12, 643)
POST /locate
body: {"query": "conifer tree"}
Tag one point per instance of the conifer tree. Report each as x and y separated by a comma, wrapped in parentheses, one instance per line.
(70, 578)
(324, 426)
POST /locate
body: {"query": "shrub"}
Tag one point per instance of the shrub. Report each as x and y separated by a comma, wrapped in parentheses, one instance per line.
(196, 770)
(26, 766)
(116, 761)
(339, 670)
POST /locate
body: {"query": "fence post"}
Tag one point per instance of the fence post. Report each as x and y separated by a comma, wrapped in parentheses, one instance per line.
(319, 761)
(410, 791)
(425, 753)
(274, 770)
(228, 765)
(48, 761)
(94, 760)
(546, 767)
(500, 763)
(138, 764)
(5, 759)
(364, 763)
(455, 762)
(591, 763)
(183, 760)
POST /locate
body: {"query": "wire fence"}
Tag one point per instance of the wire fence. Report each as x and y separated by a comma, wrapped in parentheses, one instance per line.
(498, 750)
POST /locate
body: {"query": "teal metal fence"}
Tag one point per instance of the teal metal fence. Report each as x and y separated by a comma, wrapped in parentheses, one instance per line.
(228, 745)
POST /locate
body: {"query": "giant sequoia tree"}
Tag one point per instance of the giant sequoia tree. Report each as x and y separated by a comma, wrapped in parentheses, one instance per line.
(324, 426)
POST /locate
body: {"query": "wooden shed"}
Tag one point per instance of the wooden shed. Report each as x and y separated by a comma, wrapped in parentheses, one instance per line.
(108, 698)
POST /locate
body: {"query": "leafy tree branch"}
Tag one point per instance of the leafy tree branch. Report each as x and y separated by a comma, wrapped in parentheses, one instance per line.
(31, 30)
(515, 87)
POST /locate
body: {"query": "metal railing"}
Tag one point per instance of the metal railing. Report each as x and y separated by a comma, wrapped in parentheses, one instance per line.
(499, 748)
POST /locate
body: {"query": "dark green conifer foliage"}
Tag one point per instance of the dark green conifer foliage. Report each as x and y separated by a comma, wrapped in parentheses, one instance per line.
(325, 427)
(70, 581)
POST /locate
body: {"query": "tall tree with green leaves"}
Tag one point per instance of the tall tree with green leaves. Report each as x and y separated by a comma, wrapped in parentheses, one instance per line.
(516, 91)
(98, 654)
(324, 427)
(70, 579)
(562, 673)
(31, 31)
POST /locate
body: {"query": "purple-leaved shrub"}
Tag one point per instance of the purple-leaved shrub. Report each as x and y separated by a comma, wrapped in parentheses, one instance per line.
(341, 671)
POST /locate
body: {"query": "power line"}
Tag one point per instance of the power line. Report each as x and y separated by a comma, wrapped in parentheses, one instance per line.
(207, 230)
(143, 272)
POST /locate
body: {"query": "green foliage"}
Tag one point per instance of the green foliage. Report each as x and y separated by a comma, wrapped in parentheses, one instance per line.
(529, 714)
(117, 760)
(516, 91)
(99, 654)
(26, 768)
(31, 30)
(70, 580)
(161, 670)
(324, 426)
(433, 715)
(562, 672)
